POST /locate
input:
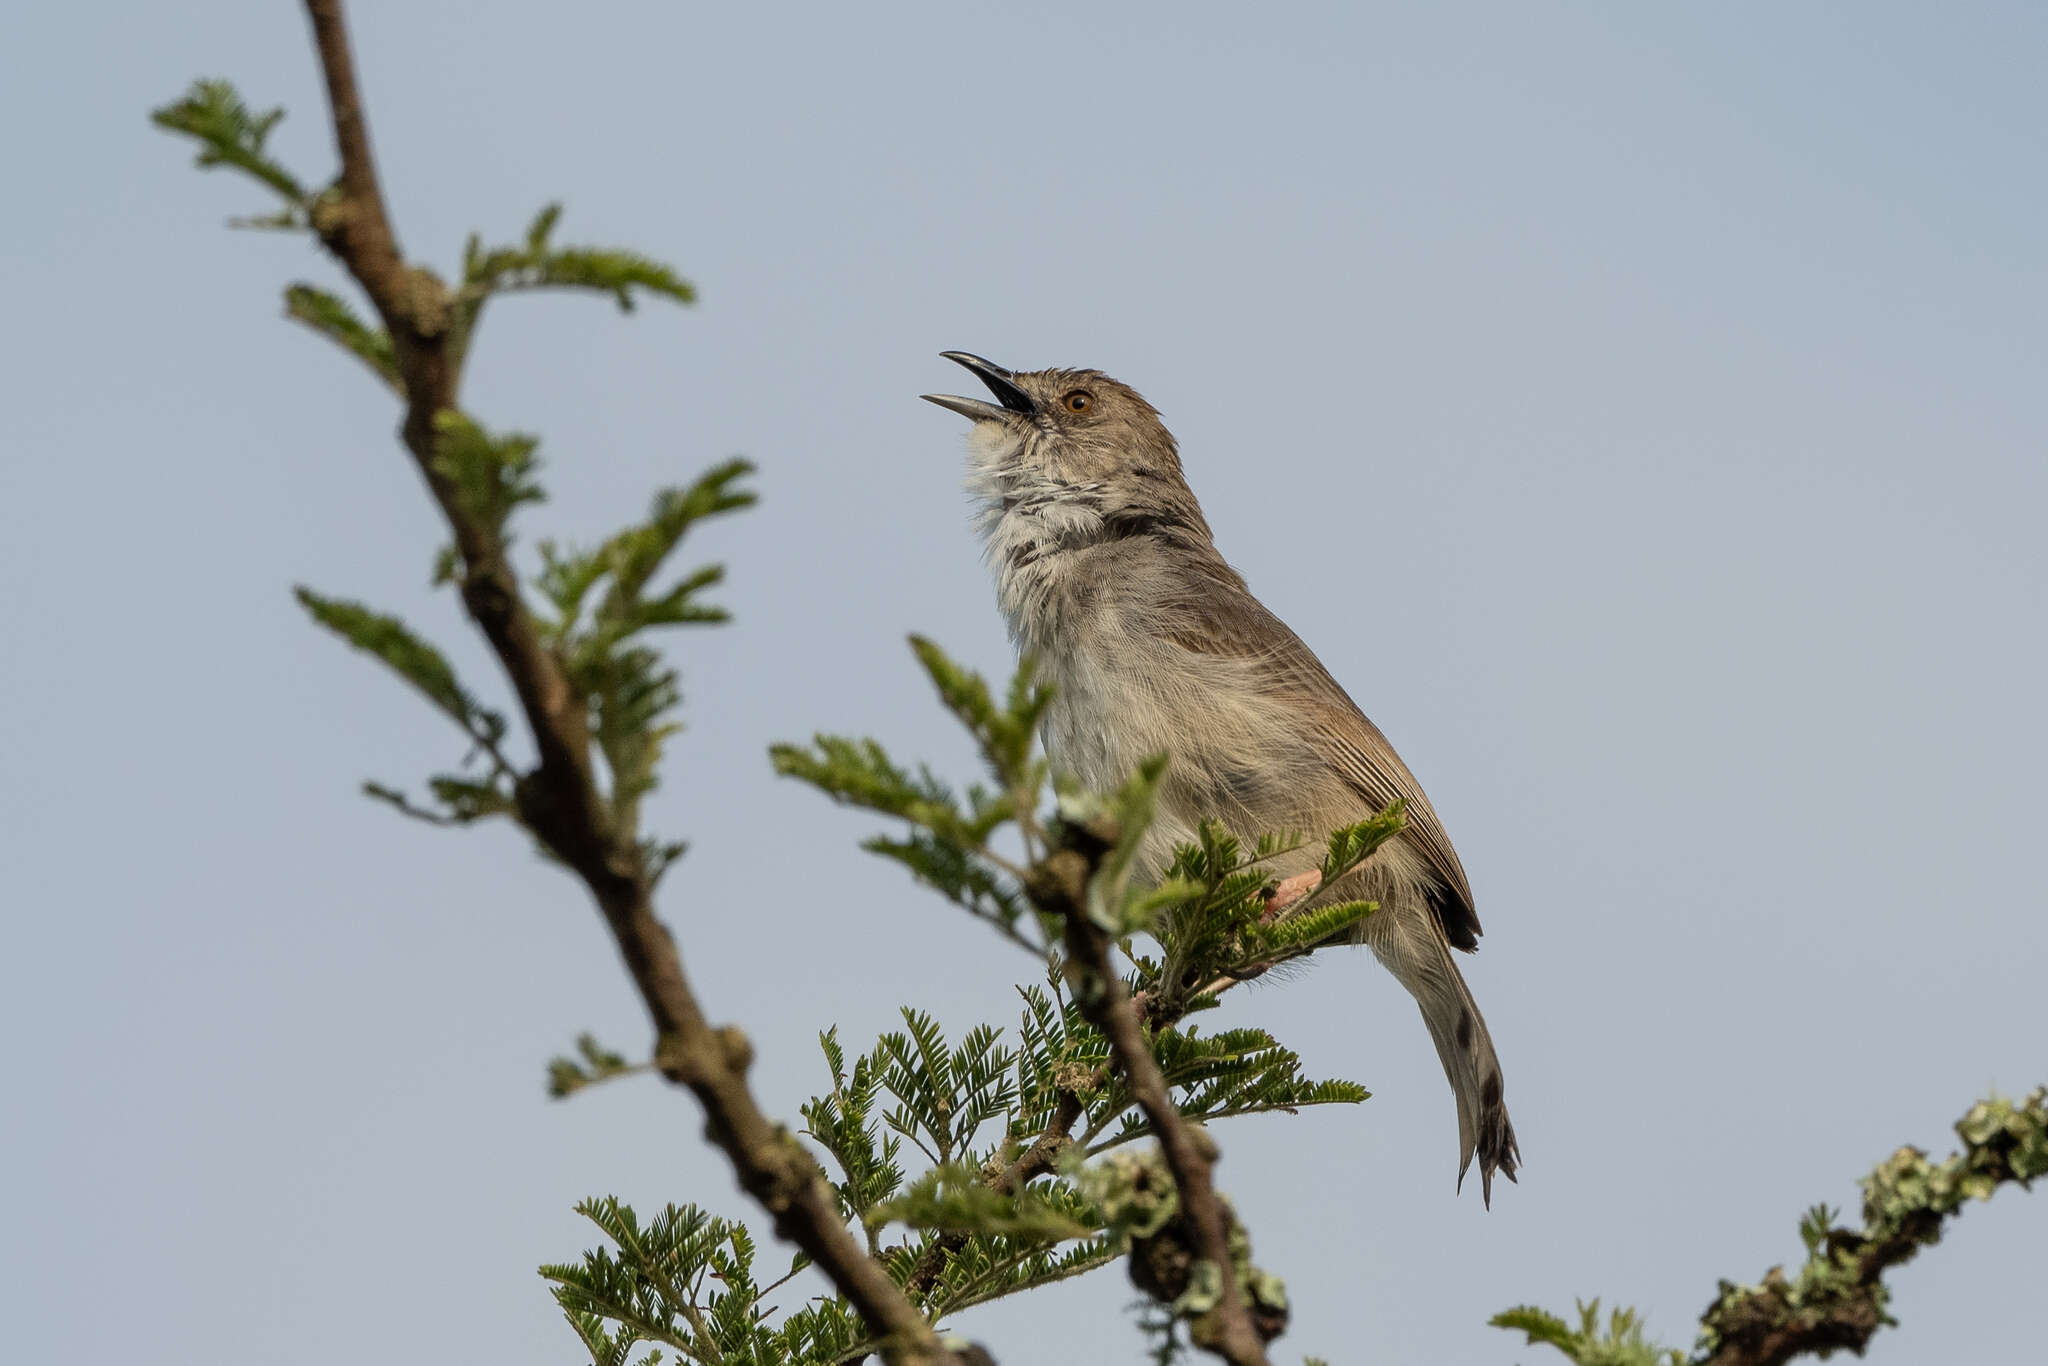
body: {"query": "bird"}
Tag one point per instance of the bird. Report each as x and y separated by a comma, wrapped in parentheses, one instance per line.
(1108, 575)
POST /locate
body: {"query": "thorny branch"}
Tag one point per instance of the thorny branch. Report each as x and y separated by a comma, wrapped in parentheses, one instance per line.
(1059, 886)
(1042, 1155)
(559, 800)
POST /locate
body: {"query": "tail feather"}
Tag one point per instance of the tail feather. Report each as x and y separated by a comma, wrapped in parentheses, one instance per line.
(1422, 960)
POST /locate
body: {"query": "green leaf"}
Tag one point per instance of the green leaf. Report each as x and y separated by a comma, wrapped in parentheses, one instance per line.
(1814, 1227)
(542, 228)
(1308, 929)
(1005, 734)
(989, 1268)
(1059, 1053)
(491, 476)
(628, 687)
(1111, 902)
(466, 799)
(686, 1280)
(406, 654)
(1541, 1326)
(633, 556)
(944, 1096)
(861, 773)
(463, 801)
(609, 270)
(1350, 845)
(230, 134)
(659, 856)
(1243, 1071)
(1620, 1344)
(333, 319)
(842, 1122)
(565, 579)
(594, 1063)
(953, 1199)
(955, 874)
(537, 264)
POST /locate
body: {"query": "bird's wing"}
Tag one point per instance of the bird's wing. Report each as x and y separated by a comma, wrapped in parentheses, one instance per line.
(1219, 616)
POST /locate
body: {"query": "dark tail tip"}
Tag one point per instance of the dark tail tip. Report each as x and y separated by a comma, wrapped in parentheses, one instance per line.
(1497, 1151)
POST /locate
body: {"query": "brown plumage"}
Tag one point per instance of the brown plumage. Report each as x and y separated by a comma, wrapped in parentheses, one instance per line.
(1106, 570)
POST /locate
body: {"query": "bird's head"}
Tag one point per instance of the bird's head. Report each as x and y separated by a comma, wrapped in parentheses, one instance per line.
(1063, 427)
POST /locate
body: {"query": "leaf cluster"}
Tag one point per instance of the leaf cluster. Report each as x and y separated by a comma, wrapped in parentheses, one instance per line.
(535, 262)
(1210, 915)
(957, 1107)
(597, 605)
(1208, 912)
(229, 133)
(592, 1064)
(685, 1281)
(1619, 1343)
(926, 1138)
(594, 608)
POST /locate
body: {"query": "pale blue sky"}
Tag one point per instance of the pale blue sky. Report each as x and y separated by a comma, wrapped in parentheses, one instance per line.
(1639, 408)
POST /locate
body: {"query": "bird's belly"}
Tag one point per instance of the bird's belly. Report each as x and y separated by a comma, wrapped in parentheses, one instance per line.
(1099, 726)
(1235, 755)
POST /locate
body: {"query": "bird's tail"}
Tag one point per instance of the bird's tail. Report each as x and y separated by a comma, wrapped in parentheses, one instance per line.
(1421, 959)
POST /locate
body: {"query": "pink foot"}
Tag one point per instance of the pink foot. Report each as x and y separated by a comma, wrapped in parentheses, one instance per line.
(1290, 891)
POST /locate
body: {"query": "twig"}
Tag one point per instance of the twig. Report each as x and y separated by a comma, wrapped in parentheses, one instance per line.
(488, 747)
(398, 802)
(1060, 887)
(765, 1291)
(707, 1346)
(1043, 1154)
(560, 800)
(1034, 1162)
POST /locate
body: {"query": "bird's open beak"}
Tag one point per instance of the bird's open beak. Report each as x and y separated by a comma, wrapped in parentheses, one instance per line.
(999, 382)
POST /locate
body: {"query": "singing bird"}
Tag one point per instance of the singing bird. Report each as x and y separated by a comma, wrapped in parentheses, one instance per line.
(1108, 574)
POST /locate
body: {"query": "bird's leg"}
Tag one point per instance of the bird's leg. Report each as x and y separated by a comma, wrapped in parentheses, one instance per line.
(1285, 893)
(1289, 891)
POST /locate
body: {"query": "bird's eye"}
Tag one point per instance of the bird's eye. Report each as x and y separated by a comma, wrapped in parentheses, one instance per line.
(1079, 401)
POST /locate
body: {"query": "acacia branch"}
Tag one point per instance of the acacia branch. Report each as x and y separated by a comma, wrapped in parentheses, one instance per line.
(1059, 886)
(1155, 1011)
(1838, 1298)
(355, 226)
(559, 800)
(1033, 1162)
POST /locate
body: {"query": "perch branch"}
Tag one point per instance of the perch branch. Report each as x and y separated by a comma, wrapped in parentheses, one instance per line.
(1059, 885)
(560, 800)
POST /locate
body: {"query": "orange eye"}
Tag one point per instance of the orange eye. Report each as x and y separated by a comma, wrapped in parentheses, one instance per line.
(1080, 401)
